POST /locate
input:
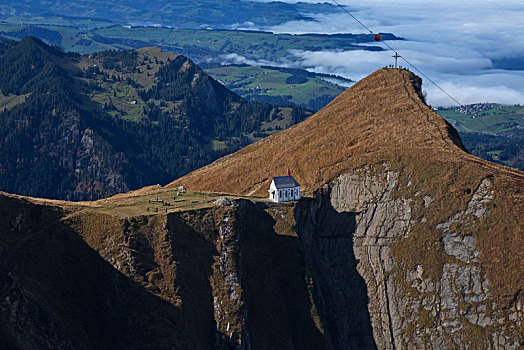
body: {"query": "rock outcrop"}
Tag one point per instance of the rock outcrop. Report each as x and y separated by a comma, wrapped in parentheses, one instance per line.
(230, 276)
(349, 231)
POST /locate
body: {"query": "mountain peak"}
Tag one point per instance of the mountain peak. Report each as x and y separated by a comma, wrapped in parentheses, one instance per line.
(34, 43)
(381, 118)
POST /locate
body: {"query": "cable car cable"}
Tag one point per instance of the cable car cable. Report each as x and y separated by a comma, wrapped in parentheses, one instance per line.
(349, 13)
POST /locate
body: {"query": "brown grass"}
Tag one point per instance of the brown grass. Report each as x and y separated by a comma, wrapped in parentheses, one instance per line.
(379, 118)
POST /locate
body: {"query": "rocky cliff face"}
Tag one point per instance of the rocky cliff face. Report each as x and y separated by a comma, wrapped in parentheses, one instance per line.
(368, 299)
(230, 276)
(370, 267)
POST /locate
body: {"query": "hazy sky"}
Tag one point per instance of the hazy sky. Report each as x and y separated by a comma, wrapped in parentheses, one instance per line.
(453, 42)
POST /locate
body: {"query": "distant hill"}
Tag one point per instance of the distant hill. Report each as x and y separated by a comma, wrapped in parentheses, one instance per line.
(82, 127)
(202, 45)
(179, 14)
(282, 86)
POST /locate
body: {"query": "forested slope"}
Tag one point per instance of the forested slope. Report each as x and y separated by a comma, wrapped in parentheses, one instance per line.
(81, 127)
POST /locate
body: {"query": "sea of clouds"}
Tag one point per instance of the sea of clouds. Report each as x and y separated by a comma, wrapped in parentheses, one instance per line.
(455, 43)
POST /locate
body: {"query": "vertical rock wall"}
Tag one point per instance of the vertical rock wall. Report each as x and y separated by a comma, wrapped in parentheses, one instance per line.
(234, 272)
(367, 301)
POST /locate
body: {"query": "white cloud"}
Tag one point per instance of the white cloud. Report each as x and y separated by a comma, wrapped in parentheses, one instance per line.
(453, 42)
(233, 58)
(466, 92)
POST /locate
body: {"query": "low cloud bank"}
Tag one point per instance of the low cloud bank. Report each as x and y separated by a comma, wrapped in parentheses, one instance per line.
(234, 58)
(457, 44)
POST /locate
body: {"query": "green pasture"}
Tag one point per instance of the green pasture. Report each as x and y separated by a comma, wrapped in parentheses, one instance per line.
(494, 120)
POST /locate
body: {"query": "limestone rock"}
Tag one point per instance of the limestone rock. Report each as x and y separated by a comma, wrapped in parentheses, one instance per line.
(348, 231)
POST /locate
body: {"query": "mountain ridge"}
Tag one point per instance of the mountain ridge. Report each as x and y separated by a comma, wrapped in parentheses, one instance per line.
(185, 13)
(82, 127)
(349, 126)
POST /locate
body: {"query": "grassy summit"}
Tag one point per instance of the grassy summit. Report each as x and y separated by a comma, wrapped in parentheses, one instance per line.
(380, 117)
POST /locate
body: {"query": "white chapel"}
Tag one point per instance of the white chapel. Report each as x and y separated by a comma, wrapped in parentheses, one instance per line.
(284, 189)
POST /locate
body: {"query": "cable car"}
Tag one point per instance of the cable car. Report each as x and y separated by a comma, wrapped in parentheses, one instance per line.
(378, 37)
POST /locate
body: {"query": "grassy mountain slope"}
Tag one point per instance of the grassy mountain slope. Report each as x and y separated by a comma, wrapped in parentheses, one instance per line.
(81, 127)
(51, 290)
(379, 116)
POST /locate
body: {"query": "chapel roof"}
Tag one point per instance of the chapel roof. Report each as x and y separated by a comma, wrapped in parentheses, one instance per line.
(285, 182)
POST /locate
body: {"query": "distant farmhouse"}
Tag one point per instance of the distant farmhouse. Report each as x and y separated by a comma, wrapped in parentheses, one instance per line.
(284, 189)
